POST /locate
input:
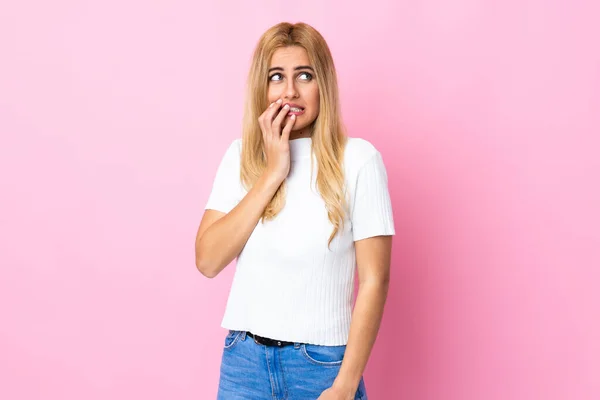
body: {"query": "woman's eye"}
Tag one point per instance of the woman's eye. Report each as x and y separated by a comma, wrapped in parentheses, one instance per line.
(305, 76)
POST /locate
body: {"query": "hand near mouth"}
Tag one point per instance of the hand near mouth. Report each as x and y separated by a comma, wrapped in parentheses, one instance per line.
(295, 109)
(276, 139)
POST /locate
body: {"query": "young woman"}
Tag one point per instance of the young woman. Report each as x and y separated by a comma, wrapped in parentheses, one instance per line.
(302, 207)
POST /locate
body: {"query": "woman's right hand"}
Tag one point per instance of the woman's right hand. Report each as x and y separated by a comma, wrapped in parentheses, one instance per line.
(276, 139)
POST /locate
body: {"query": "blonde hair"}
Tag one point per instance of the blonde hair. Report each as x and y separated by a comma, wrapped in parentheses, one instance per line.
(328, 137)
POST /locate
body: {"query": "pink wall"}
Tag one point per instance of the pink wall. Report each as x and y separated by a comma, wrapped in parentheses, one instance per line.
(114, 115)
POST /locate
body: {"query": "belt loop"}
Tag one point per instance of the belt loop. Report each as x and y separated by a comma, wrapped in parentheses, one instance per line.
(243, 335)
(296, 345)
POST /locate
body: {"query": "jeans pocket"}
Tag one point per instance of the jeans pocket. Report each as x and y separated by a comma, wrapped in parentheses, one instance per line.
(231, 339)
(361, 392)
(323, 355)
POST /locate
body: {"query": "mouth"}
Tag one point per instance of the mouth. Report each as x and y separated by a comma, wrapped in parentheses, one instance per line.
(295, 110)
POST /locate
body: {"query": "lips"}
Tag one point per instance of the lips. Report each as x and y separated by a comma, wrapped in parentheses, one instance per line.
(295, 109)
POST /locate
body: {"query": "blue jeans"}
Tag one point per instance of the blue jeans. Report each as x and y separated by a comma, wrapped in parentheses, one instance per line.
(252, 371)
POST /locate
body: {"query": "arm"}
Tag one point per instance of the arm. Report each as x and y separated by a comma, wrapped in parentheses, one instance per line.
(221, 237)
(373, 257)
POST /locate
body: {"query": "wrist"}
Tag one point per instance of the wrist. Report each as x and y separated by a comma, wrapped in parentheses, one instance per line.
(272, 178)
(346, 387)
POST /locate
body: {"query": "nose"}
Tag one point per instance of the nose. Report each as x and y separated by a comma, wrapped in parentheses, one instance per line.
(290, 90)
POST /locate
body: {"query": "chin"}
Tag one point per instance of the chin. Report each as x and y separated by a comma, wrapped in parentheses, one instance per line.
(301, 123)
(300, 127)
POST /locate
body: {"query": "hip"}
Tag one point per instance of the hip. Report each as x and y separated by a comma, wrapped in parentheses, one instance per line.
(299, 371)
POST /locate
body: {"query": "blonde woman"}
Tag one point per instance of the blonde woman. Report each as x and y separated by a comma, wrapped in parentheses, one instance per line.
(302, 207)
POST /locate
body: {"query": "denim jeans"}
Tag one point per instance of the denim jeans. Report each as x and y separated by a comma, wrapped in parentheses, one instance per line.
(252, 371)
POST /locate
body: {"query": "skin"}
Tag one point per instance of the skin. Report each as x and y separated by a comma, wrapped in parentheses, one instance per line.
(221, 236)
(373, 257)
(292, 79)
(290, 82)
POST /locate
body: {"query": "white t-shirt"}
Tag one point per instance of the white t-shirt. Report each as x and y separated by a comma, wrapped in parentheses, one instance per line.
(288, 285)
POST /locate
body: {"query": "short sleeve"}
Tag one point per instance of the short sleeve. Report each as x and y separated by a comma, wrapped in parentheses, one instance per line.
(372, 207)
(226, 187)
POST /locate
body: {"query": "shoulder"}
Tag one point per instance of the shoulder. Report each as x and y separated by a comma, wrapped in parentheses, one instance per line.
(230, 157)
(358, 152)
(236, 145)
(234, 150)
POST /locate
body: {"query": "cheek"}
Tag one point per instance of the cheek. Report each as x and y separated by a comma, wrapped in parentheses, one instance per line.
(273, 94)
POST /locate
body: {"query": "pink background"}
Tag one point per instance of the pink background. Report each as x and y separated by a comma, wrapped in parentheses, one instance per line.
(114, 115)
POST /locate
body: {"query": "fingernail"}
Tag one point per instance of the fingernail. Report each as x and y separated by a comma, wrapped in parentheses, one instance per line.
(293, 116)
(271, 105)
(286, 106)
(279, 101)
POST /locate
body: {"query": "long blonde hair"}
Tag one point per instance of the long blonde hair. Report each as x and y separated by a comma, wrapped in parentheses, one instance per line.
(328, 137)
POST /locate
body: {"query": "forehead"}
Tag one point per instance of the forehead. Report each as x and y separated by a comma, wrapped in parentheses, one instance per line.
(290, 56)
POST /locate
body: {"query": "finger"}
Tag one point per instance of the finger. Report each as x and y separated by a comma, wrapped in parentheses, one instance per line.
(265, 126)
(285, 134)
(272, 111)
(277, 122)
(268, 115)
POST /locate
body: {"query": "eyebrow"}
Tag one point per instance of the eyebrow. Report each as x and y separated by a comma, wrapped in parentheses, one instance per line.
(295, 69)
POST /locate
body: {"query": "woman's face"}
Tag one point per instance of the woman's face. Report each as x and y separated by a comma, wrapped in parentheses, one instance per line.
(291, 79)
